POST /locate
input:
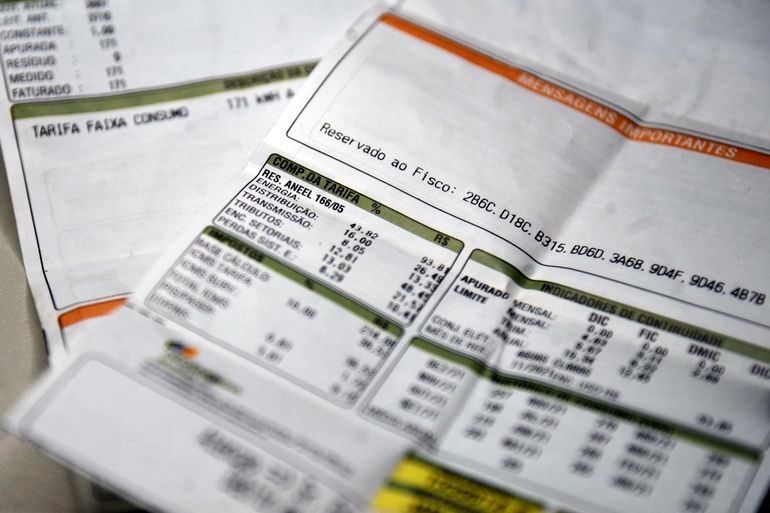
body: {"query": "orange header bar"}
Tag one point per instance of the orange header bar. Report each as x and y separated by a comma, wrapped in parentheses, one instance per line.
(89, 312)
(622, 124)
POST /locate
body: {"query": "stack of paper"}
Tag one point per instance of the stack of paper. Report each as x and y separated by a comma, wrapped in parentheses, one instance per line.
(492, 256)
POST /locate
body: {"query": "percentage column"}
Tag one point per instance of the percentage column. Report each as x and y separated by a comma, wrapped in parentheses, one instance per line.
(340, 258)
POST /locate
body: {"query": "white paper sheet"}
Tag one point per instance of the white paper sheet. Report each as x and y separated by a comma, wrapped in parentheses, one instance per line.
(447, 282)
(121, 119)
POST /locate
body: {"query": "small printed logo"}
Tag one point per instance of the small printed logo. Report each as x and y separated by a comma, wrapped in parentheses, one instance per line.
(178, 358)
(182, 350)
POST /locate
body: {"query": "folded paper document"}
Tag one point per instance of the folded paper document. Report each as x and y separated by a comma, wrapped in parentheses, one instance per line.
(120, 120)
(451, 279)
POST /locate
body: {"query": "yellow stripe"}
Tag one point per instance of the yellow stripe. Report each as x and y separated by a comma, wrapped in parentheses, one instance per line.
(464, 492)
(390, 500)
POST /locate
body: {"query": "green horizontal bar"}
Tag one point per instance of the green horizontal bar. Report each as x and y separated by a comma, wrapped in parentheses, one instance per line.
(483, 371)
(643, 317)
(368, 204)
(305, 281)
(173, 93)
